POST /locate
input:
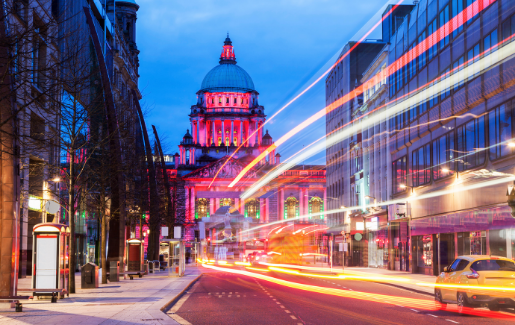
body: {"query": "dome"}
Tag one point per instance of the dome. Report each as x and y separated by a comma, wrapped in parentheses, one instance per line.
(127, 2)
(227, 77)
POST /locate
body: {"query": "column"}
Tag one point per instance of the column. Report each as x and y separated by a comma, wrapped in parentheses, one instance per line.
(260, 132)
(211, 206)
(248, 133)
(306, 200)
(187, 202)
(194, 130)
(301, 201)
(261, 210)
(237, 204)
(206, 143)
(231, 141)
(213, 124)
(192, 204)
(267, 208)
(242, 206)
(257, 132)
(281, 204)
(217, 203)
(198, 131)
(223, 132)
(241, 133)
(192, 156)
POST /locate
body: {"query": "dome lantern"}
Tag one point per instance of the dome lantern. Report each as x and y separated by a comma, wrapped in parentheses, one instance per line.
(227, 76)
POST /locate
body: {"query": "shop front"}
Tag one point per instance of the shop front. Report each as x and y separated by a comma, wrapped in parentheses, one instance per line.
(438, 240)
(377, 235)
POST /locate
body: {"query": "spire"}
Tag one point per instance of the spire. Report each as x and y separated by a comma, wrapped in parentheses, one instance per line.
(227, 56)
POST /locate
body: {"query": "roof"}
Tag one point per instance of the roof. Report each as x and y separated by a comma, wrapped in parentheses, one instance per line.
(227, 77)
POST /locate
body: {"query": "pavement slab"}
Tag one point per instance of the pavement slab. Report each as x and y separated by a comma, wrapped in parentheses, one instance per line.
(138, 301)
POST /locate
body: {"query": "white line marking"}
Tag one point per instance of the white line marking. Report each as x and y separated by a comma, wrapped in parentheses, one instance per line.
(450, 320)
(281, 306)
(287, 311)
(293, 317)
(433, 315)
(414, 310)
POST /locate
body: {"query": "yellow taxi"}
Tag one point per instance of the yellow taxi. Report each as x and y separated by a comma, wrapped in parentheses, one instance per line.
(477, 281)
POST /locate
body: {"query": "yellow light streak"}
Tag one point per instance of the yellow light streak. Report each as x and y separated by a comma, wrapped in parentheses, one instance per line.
(242, 263)
(257, 269)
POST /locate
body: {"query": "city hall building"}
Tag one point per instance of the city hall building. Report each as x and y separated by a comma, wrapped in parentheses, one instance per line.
(228, 115)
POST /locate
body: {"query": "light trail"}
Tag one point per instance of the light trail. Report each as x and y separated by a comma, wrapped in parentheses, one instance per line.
(437, 36)
(466, 286)
(403, 200)
(424, 304)
(419, 95)
(308, 88)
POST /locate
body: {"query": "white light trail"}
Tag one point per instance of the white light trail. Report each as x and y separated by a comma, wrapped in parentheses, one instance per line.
(471, 71)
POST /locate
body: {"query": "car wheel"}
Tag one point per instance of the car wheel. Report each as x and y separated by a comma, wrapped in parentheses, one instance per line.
(462, 302)
(494, 307)
(439, 304)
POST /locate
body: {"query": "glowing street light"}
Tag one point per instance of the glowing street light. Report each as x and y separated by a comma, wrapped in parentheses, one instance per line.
(511, 144)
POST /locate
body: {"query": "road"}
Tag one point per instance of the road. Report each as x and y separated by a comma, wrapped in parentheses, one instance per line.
(225, 298)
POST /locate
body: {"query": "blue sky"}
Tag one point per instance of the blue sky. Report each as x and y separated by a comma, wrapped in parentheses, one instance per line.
(282, 44)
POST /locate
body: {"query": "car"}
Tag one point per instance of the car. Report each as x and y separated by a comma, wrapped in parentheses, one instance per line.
(256, 257)
(453, 285)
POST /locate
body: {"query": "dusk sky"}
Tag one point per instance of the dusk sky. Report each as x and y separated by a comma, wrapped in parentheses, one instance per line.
(282, 44)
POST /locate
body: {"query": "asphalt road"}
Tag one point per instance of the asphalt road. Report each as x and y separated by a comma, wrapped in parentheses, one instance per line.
(224, 298)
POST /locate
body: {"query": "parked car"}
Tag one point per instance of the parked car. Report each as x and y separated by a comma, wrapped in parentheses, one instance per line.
(477, 271)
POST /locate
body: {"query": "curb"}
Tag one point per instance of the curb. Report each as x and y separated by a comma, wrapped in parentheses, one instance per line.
(405, 288)
(179, 295)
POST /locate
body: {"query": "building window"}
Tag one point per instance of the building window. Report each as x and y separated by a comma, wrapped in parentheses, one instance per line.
(291, 208)
(471, 144)
(475, 9)
(399, 174)
(226, 202)
(500, 130)
(490, 46)
(458, 73)
(37, 127)
(433, 45)
(412, 64)
(457, 8)
(444, 19)
(508, 27)
(421, 165)
(473, 57)
(443, 156)
(446, 84)
(316, 205)
(202, 208)
(422, 55)
(227, 100)
(252, 208)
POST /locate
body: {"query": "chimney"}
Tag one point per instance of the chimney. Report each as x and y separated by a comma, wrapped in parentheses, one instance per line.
(176, 158)
(277, 159)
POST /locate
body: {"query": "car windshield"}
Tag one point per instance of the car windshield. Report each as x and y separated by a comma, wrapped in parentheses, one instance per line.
(493, 265)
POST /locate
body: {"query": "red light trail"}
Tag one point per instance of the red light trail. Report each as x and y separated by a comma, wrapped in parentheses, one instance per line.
(431, 40)
(424, 304)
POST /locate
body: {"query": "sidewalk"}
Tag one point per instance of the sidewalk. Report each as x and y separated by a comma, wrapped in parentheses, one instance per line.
(409, 279)
(137, 301)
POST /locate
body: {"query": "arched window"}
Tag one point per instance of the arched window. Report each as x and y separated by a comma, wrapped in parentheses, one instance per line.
(226, 202)
(202, 208)
(252, 208)
(316, 205)
(291, 208)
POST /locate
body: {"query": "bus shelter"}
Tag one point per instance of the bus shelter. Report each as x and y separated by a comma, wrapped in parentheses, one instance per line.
(174, 255)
